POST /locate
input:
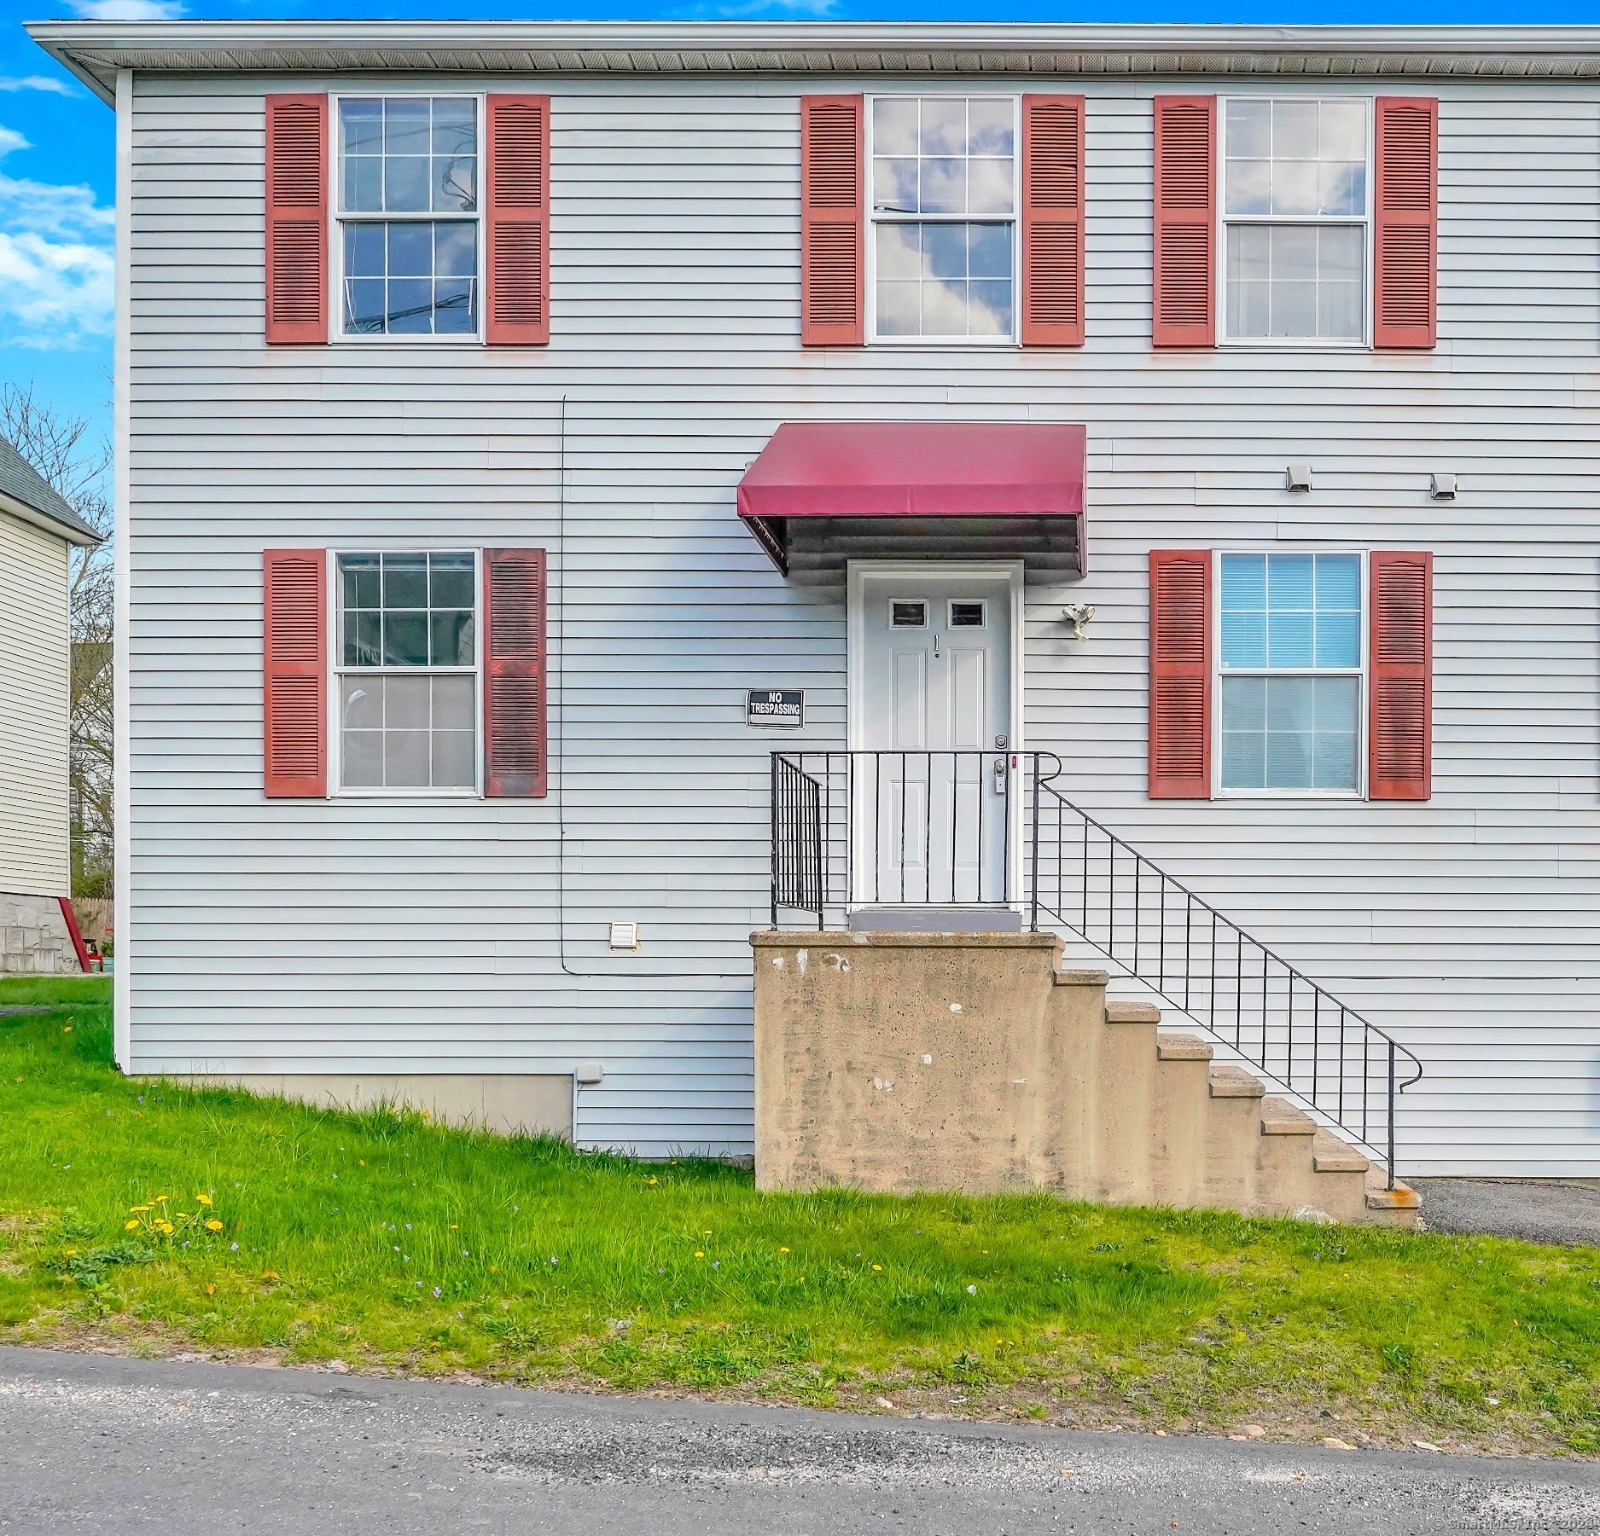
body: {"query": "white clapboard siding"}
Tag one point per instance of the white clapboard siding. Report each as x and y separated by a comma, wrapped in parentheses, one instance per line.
(275, 936)
(33, 710)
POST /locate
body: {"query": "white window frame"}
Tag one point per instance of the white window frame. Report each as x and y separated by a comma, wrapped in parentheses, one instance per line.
(1361, 673)
(873, 218)
(1224, 219)
(338, 218)
(338, 671)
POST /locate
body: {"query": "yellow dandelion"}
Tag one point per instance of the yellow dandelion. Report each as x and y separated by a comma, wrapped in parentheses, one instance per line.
(203, 1199)
(362, 1161)
(131, 1224)
(67, 1030)
(133, 1210)
(70, 1252)
(167, 1227)
(211, 1290)
(698, 1254)
(455, 1226)
(705, 1234)
(160, 1200)
(653, 1181)
(878, 1267)
(783, 1250)
(269, 1274)
(213, 1225)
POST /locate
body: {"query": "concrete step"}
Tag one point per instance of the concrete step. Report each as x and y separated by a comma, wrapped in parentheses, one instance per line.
(1132, 1013)
(1381, 1198)
(1329, 1154)
(1182, 1048)
(1234, 1083)
(1280, 1118)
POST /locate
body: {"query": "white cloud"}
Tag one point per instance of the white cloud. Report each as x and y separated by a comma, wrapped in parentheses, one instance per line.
(55, 260)
(128, 10)
(36, 83)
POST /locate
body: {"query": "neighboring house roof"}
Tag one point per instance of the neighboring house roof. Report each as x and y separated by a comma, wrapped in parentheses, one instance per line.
(95, 50)
(24, 491)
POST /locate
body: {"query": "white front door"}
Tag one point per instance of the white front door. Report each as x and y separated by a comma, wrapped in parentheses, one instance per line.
(931, 779)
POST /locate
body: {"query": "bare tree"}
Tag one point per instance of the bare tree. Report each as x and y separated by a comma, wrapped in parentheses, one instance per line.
(76, 461)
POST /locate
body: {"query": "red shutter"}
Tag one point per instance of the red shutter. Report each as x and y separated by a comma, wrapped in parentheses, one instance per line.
(514, 655)
(832, 219)
(1185, 221)
(295, 664)
(1400, 728)
(297, 219)
(1406, 202)
(1180, 674)
(517, 203)
(1052, 221)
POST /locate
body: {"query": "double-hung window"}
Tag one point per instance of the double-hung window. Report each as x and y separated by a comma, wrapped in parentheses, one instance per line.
(1295, 216)
(943, 199)
(1291, 651)
(410, 241)
(407, 668)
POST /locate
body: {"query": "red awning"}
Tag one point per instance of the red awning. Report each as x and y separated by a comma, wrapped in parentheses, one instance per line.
(849, 470)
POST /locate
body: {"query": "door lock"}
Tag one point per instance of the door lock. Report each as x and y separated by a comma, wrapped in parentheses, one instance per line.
(1000, 775)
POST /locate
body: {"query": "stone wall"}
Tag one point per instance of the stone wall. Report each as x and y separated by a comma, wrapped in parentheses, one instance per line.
(33, 937)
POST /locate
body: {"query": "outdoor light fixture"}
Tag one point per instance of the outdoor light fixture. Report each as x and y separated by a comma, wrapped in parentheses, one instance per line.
(1298, 478)
(1443, 487)
(1078, 615)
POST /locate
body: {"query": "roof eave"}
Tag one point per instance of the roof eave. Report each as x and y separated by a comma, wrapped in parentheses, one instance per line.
(95, 50)
(73, 532)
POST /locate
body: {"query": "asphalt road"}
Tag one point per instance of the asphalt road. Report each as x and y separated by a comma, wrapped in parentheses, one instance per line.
(1538, 1210)
(94, 1443)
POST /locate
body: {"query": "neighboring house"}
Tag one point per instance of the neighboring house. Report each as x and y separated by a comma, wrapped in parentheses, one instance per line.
(519, 420)
(37, 530)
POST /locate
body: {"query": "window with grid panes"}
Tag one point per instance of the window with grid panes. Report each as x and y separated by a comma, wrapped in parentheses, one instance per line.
(1291, 663)
(409, 215)
(1294, 209)
(407, 665)
(943, 207)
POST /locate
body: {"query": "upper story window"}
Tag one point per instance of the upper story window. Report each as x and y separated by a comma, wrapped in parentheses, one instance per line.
(409, 217)
(407, 665)
(1295, 216)
(1291, 654)
(943, 199)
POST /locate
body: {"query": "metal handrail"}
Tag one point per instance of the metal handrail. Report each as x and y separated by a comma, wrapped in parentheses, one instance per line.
(828, 814)
(1323, 1055)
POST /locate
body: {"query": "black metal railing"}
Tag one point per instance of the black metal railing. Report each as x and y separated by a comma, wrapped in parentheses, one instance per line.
(1154, 928)
(891, 829)
(939, 829)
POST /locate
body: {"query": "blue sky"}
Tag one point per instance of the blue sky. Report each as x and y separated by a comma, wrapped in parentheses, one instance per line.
(56, 140)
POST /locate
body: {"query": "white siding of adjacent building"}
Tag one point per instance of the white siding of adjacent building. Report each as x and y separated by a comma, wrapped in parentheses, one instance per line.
(275, 936)
(33, 710)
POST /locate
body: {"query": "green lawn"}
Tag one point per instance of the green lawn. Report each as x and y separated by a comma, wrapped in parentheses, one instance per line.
(390, 1244)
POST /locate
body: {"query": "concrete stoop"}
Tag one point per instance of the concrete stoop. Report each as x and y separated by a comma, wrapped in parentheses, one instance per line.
(899, 1062)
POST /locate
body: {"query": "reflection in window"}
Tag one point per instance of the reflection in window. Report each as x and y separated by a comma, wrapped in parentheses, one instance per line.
(1291, 663)
(943, 209)
(408, 179)
(407, 660)
(1295, 211)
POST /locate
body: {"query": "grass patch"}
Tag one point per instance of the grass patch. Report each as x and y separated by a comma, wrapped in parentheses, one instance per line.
(150, 1216)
